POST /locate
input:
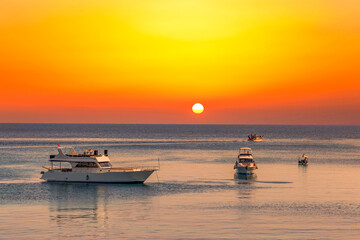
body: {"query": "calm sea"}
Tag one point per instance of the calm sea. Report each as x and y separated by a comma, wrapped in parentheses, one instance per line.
(194, 195)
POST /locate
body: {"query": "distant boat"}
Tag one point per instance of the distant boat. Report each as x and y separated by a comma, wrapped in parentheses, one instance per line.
(255, 138)
(245, 164)
(91, 167)
(303, 160)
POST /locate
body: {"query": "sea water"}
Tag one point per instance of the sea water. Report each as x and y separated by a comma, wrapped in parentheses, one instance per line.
(195, 194)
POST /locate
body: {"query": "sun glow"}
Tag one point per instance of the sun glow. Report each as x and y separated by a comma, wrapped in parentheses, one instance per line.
(197, 108)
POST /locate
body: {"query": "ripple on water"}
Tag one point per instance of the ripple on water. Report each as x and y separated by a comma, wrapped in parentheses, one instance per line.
(283, 208)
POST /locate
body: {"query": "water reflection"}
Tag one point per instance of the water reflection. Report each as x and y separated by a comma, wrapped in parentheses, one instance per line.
(303, 175)
(246, 183)
(84, 210)
(80, 205)
(303, 168)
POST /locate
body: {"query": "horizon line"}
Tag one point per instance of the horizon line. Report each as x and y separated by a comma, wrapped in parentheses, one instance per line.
(232, 124)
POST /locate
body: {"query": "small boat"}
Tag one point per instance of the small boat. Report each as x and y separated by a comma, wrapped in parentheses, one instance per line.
(91, 167)
(245, 164)
(303, 160)
(255, 138)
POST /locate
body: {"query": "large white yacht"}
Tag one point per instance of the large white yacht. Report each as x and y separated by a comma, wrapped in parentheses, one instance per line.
(245, 164)
(91, 167)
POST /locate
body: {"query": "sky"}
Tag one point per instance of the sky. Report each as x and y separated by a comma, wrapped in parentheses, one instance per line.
(149, 61)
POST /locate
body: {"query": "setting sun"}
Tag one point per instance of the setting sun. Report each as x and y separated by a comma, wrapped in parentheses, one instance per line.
(197, 108)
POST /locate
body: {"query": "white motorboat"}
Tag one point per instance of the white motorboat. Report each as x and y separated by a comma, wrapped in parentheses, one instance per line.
(91, 167)
(255, 138)
(303, 160)
(245, 164)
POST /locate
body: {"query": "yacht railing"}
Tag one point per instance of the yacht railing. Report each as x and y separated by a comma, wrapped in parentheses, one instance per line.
(58, 169)
(142, 168)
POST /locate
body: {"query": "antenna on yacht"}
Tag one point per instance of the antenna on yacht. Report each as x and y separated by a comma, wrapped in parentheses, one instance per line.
(157, 176)
(158, 169)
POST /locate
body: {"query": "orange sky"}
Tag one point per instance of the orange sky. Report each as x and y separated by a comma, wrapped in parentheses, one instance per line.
(149, 61)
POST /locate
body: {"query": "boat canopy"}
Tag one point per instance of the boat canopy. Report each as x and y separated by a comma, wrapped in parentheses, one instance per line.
(72, 150)
(245, 151)
(72, 156)
(245, 148)
(303, 156)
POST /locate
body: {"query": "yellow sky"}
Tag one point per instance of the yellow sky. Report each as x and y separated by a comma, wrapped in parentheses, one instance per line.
(167, 55)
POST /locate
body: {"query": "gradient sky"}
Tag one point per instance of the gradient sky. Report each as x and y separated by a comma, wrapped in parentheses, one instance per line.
(149, 61)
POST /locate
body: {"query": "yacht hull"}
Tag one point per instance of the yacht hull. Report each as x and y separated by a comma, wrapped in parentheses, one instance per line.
(245, 170)
(105, 177)
(255, 140)
(303, 164)
(245, 176)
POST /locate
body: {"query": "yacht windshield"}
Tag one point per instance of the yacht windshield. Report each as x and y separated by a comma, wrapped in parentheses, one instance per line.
(105, 164)
(246, 160)
(86, 165)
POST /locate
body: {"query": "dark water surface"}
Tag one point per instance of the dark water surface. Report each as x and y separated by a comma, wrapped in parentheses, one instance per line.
(194, 195)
